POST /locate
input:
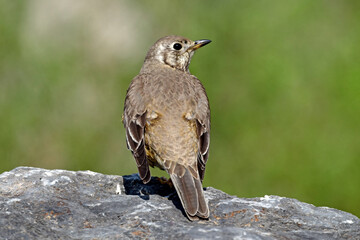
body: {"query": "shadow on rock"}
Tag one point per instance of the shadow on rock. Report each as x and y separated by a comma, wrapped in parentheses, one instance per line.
(134, 186)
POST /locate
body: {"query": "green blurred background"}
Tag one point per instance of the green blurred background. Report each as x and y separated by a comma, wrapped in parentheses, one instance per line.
(283, 79)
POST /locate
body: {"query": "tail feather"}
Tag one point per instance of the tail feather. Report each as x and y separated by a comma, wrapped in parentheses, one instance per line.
(203, 209)
(190, 192)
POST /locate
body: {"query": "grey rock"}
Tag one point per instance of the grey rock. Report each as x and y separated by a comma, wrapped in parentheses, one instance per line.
(57, 204)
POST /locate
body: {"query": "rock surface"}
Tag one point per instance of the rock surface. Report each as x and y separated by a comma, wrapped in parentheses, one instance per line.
(58, 204)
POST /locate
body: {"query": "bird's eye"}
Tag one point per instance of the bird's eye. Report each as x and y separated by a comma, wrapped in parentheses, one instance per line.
(177, 46)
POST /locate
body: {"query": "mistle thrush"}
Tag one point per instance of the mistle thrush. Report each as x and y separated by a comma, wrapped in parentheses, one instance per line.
(167, 120)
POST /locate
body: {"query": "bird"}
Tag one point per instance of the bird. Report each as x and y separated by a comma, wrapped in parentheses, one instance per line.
(167, 120)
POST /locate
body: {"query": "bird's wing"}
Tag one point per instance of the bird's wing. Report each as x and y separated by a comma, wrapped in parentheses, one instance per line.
(204, 144)
(202, 117)
(134, 119)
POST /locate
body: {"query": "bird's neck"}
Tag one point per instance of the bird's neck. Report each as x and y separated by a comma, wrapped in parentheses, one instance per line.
(154, 64)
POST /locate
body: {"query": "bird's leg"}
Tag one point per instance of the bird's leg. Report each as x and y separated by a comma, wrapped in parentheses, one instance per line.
(165, 181)
(168, 184)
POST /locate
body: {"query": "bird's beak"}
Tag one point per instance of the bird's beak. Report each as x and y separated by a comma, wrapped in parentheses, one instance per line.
(199, 44)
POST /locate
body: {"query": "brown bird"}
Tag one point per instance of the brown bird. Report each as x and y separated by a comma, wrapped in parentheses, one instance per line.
(167, 120)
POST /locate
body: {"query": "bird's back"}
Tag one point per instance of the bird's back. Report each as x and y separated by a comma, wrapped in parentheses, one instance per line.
(170, 132)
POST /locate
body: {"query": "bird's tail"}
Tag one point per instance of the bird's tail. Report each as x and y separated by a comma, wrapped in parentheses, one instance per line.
(190, 192)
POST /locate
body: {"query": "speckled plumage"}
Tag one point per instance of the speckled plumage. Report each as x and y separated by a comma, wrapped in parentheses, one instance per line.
(167, 120)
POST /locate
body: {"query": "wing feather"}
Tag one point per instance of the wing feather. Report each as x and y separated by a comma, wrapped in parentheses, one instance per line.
(204, 144)
(134, 120)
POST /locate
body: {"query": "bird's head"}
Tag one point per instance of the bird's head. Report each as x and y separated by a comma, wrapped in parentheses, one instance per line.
(174, 51)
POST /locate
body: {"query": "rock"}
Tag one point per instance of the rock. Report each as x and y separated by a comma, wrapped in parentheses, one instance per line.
(57, 204)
